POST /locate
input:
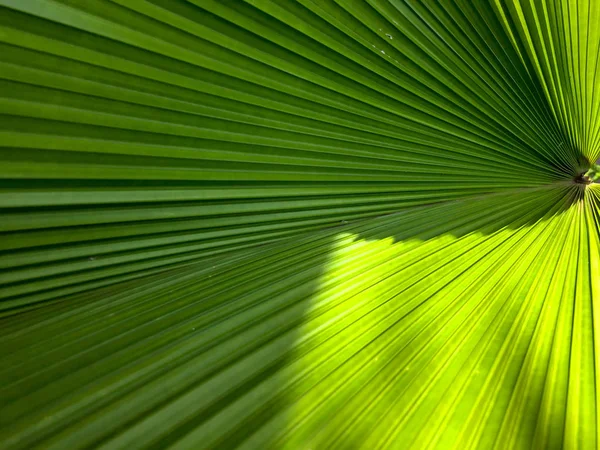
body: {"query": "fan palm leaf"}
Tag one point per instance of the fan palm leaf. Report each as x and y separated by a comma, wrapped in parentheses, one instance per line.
(299, 224)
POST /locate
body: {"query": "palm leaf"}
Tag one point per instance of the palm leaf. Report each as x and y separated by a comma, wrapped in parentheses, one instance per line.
(299, 224)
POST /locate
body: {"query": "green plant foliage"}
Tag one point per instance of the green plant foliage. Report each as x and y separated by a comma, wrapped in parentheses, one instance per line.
(593, 174)
(299, 224)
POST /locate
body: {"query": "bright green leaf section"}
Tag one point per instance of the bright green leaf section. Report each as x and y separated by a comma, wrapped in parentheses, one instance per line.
(475, 331)
(299, 224)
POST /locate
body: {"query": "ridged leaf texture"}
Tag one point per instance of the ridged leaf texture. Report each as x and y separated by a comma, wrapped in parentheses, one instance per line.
(299, 224)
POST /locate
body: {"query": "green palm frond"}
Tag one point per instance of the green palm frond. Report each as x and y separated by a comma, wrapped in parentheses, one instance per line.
(299, 224)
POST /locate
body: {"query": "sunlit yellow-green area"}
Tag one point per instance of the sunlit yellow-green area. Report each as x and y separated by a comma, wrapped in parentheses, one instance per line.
(299, 224)
(472, 332)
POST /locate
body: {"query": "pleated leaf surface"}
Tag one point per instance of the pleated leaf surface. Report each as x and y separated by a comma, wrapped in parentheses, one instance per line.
(299, 224)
